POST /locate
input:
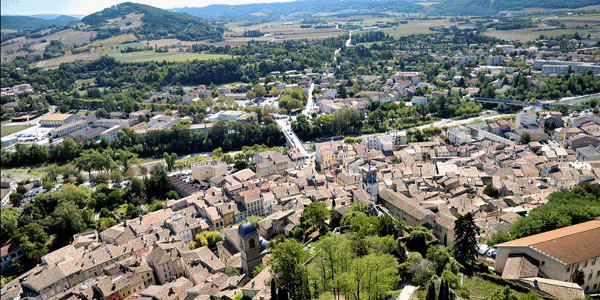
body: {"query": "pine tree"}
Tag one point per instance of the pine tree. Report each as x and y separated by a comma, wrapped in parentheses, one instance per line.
(431, 291)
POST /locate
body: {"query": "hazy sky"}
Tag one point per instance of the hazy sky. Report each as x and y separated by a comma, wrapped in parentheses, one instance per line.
(86, 7)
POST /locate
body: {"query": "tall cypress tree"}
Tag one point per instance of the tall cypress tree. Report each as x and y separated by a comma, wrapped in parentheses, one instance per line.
(431, 291)
(442, 295)
(273, 289)
(465, 246)
(282, 294)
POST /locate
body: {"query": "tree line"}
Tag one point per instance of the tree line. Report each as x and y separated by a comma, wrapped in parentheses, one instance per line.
(181, 140)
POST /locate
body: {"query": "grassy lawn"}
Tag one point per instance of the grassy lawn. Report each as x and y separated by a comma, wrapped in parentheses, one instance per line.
(82, 112)
(121, 210)
(6, 130)
(80, 82)
(478, 287)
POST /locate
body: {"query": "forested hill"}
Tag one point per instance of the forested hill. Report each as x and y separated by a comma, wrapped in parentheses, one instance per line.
(489, 7)
(27, 22)
(156, 23)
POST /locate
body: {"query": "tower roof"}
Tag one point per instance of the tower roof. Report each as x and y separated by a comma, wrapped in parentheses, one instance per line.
(247, 229)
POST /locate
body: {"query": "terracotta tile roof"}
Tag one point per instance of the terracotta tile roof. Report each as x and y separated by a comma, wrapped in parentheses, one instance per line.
(404, 204)
(569, 244)
(519, 267)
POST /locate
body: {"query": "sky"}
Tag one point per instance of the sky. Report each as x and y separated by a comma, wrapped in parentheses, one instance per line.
(86, 7)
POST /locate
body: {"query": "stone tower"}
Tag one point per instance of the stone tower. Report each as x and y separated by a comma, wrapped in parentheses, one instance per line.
(250, 246)
(369, 181)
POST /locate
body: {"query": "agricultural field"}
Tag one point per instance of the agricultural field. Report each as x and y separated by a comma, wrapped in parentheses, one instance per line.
(112, 41)
(168, 42)
(55, 62)
(574, 21)
(416, 27)
(427, 4)
(274, 31)
(582, 24)
(531, 34)
(144, 56)
(11, 49)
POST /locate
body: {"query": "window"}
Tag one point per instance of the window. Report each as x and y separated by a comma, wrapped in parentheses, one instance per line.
(252, 243)
(590, 276)
(593, 262)
(568, 269)
(598, 274)
(585, 265)
(543, 263)
(594, 287)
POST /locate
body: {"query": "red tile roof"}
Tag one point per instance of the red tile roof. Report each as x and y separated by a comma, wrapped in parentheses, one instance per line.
(569, 245)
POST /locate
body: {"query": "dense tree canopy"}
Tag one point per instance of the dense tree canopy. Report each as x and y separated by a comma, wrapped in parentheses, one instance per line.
(564, 208)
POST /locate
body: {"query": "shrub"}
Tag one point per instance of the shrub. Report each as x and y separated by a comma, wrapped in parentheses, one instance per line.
(451, 278)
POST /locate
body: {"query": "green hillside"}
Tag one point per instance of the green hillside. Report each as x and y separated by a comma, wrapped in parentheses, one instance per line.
(489, 7)
(26, 22)
(158, 23)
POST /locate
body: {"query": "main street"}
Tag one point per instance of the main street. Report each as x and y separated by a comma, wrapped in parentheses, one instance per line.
(286, 127)
(285, 123)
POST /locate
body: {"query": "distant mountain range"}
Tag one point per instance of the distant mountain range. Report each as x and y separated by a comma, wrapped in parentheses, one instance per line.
(490, 7)
(296, 9)
(54, 16)
(282, 10)
(312, 8)
(34, 22)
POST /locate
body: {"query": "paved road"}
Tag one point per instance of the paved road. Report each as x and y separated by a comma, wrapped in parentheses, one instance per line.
(579, 99)
(348, 42)
(310, 103)
(407, 292)
(450, 122)
(291, 137)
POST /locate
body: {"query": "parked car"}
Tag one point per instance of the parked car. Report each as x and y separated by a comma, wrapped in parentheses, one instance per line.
(491, 253)
(482, 248)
